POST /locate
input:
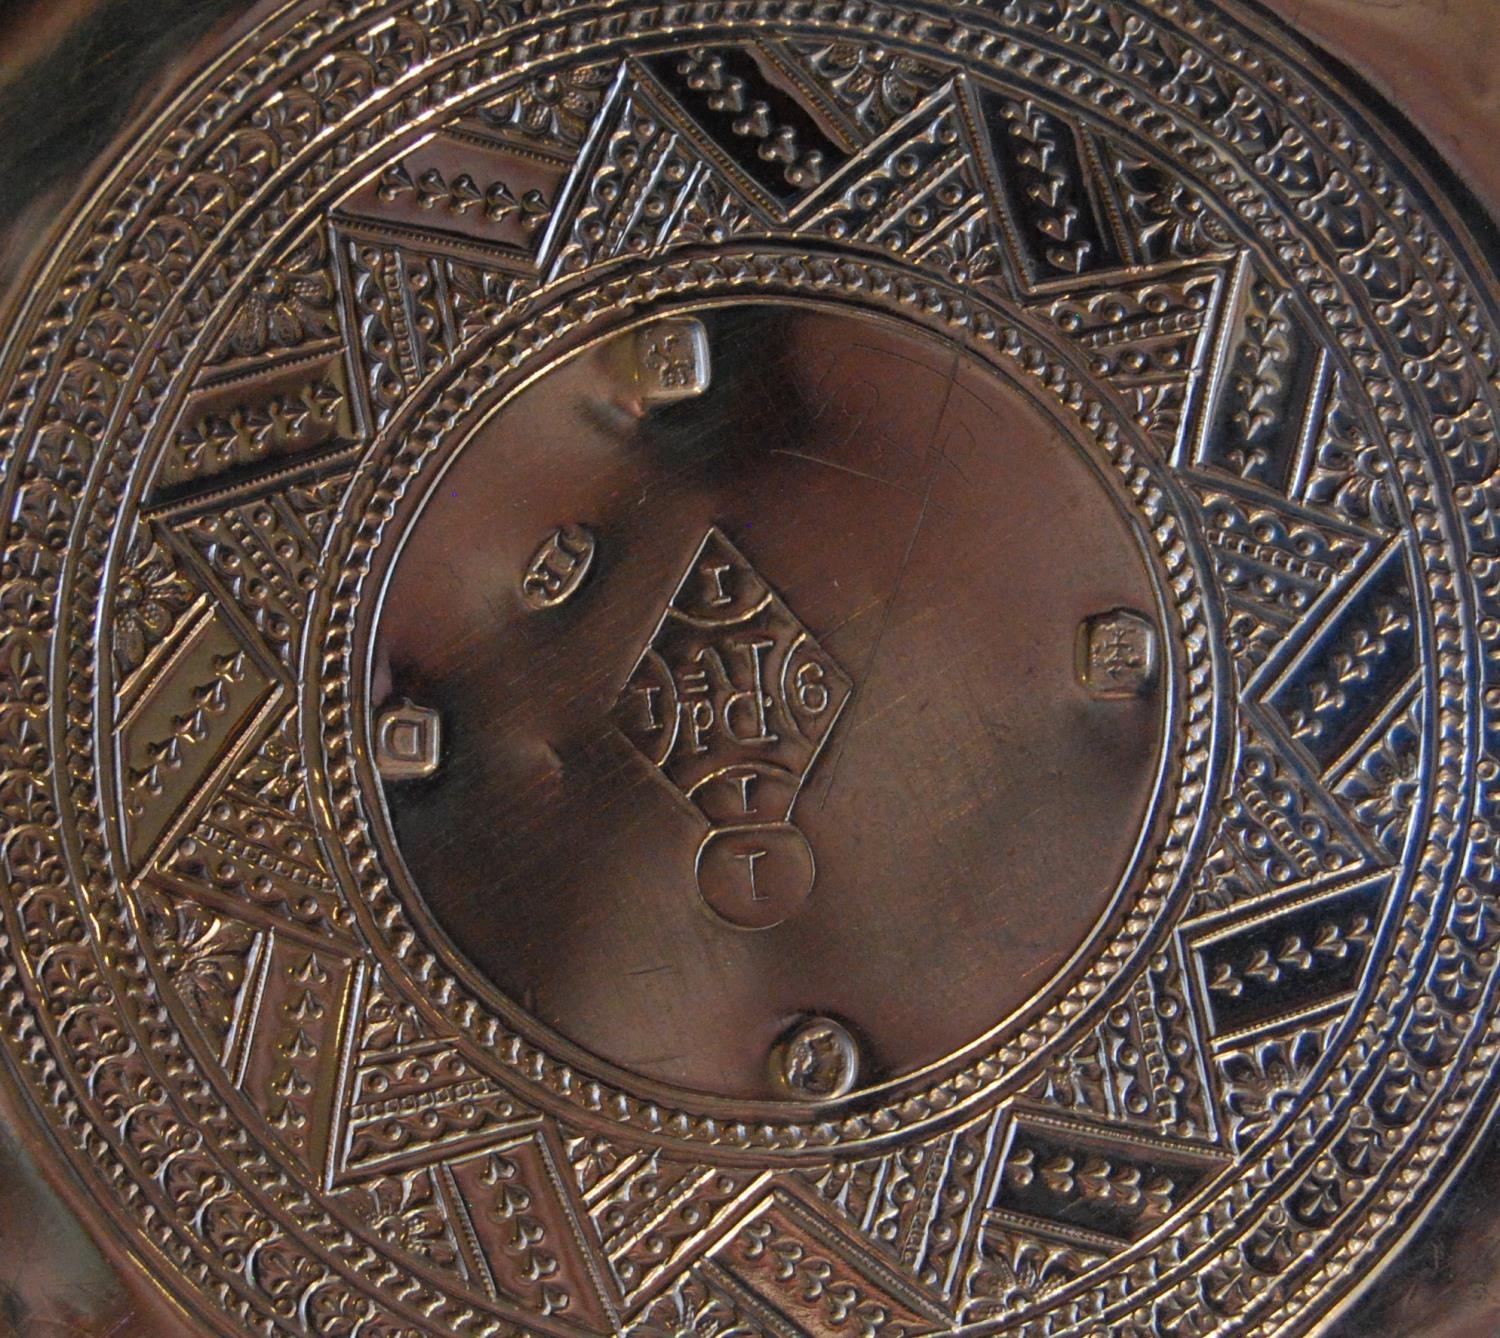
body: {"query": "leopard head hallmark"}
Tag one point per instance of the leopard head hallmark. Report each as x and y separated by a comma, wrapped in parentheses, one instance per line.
(732, 700)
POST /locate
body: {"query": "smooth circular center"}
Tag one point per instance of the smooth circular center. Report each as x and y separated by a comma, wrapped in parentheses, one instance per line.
(812, 673)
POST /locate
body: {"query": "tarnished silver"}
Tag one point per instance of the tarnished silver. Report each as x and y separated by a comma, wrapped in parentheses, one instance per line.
(997, 501)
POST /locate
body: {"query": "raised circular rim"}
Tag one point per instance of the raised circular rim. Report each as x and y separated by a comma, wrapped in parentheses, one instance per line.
(1450, 1116)
(408, 460)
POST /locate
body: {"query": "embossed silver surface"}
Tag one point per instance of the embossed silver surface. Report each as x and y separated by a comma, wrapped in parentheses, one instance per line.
(753, 668)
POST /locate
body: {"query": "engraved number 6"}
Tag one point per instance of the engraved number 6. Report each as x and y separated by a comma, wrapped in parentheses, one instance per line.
(812, 692)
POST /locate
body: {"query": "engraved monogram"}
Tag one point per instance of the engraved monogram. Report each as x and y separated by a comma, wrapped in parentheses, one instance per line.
(733, 700)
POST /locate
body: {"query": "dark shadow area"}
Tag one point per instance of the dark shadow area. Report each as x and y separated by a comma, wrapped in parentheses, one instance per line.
(72, 74)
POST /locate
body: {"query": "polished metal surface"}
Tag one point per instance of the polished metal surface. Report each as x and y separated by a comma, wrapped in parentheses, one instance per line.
(870, 681)
(747, 673)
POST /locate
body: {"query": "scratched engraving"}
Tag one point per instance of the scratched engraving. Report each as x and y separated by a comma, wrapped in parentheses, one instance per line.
(733, 700)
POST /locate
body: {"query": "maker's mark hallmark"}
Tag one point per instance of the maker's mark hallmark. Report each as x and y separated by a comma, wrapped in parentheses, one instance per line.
(818, 1060)
(732, 700)
(558, 568)
(671, 360)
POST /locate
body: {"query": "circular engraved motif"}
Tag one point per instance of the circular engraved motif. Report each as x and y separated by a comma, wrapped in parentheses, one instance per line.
(413, 951)
(755, 877)
(687, 723)
(315, 1096)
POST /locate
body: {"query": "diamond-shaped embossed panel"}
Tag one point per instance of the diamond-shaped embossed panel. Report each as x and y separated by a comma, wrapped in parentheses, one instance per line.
(733, 698)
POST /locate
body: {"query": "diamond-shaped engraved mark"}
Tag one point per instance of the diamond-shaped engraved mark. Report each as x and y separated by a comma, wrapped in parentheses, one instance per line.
(732, 700)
